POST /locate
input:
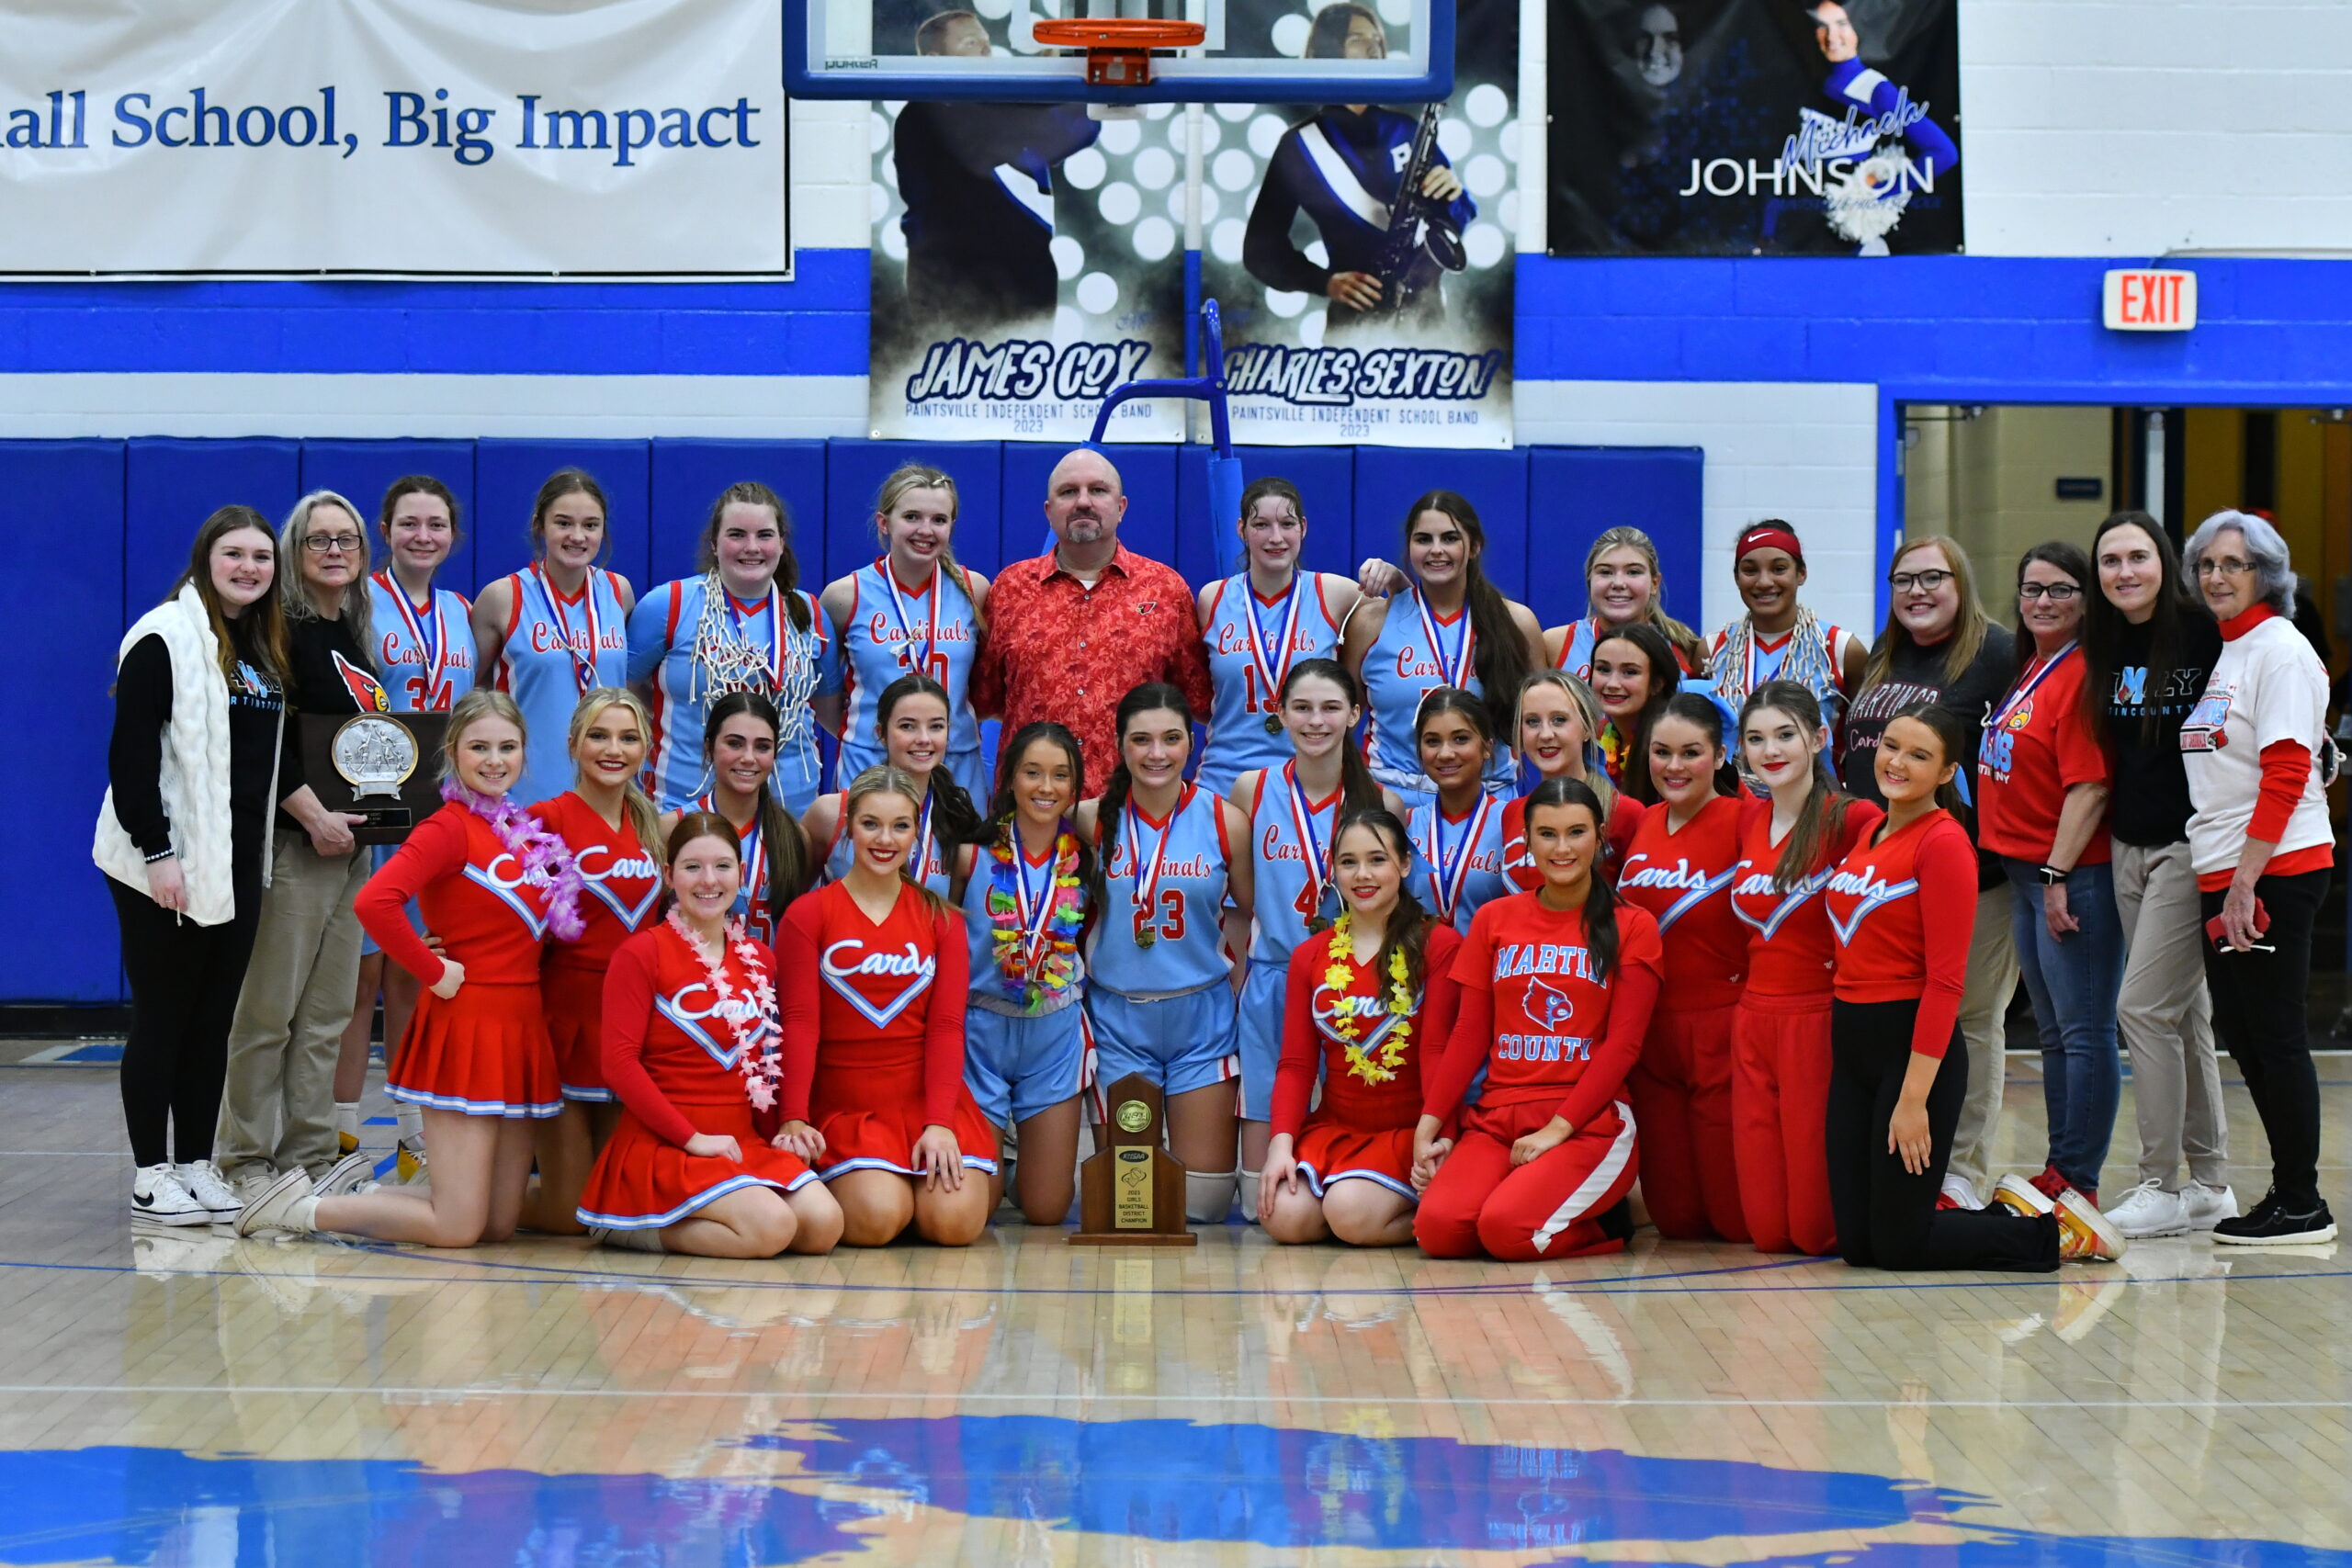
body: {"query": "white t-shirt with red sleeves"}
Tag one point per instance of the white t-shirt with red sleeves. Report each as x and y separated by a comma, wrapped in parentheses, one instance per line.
(2267, 686)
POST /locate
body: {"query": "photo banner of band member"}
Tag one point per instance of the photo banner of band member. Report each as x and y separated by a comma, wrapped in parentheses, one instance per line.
(1361, 254)
(1755, 127)
(1027, 258)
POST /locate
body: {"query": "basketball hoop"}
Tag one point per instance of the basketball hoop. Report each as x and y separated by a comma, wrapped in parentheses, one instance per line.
(1118, 49)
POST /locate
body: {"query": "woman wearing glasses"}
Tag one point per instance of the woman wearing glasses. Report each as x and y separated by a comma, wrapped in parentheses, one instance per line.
(2264, 854)
(2042, 792)
(1939, 646)
(278, 1106)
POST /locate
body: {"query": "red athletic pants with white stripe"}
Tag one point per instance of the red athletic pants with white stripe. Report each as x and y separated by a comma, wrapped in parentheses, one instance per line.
(1780, 1105)
(1680, 1092)
(1479, 1201)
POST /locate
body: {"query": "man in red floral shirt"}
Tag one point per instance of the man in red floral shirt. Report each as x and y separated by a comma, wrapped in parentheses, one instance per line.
(1073, 631)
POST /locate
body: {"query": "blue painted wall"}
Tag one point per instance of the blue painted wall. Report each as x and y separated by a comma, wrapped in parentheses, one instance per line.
(104, 528)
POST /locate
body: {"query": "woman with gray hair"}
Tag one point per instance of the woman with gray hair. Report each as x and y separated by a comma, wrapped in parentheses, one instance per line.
(278, 1106)
(2264, 854)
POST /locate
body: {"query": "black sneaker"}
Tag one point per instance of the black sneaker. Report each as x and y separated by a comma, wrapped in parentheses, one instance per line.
(1616, 1221)
(2276, 1222)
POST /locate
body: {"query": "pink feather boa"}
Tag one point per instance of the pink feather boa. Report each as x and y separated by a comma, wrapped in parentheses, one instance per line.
(534, 849)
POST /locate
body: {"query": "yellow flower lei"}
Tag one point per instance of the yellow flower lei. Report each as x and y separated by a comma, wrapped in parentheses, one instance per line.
(1338, 977)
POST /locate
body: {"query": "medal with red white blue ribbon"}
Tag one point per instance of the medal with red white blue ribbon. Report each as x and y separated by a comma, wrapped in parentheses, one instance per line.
(433, 650)
(1273, 668)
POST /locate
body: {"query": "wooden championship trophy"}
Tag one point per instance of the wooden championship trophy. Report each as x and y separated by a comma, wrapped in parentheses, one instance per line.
(1132, 1193)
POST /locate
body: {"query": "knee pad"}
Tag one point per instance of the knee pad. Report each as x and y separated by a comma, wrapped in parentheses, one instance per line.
(1208, 1196)
(1249, 1197)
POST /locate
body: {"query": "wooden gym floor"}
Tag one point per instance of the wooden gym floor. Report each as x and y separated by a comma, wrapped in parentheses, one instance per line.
(183, 1398)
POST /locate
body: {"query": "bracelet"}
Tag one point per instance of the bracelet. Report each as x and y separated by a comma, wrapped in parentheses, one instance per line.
(162, 854)
(2053, 877)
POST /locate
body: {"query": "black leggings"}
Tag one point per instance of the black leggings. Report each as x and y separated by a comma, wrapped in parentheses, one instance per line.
(184, 982)
(1887, 1217)
(2261, 1015)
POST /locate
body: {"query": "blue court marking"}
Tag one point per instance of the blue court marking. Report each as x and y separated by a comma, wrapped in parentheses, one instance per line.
(1153, 1479)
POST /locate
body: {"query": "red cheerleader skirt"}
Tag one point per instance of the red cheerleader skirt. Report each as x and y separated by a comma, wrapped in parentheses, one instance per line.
(871, 1115)
(575, 1007)
(482, 1053)
(1328, 1151)
(644, 1183)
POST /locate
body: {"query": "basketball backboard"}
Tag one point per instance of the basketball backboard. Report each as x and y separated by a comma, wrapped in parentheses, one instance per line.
(1266, 52)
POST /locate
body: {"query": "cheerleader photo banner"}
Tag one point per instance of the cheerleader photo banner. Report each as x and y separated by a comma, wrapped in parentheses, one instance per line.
(1754, 127)
(400, 138)
(1028, 258)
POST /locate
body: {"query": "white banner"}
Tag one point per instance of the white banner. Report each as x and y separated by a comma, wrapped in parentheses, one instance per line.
(470, 138)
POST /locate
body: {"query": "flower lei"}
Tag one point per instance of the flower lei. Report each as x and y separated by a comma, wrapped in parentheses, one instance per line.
(1393, 1045)
(1057, 958)
(534, 849)
(754, 1027)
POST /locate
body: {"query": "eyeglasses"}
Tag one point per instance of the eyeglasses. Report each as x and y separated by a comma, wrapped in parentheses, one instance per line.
(327, 544)
(2227, 566)
(2056, 593)
(1924, 581)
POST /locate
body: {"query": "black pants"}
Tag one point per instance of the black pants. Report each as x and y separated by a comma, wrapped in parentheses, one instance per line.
(1886, 1216)
(2260, 1018)
(184, 982)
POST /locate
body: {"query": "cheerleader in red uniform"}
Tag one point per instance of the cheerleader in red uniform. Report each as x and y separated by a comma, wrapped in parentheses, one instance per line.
(1559, 728)
(1369, 1001)
(1788, 844)
(691, 1048)
(492, 884)
(1680, 869)
(610, 826)
(876, 973)
(1558, 987)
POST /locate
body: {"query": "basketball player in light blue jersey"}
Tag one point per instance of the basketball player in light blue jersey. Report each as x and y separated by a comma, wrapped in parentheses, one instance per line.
(1291, 811)
(1259, 623)
(1449, 627)
(425, 651)
(912, 712)
(1173, 894)
(741, 626)
(1025, 889)
(1458, 837)
(558, 629)
(916, 610)
(739, 753)
(1622, 584)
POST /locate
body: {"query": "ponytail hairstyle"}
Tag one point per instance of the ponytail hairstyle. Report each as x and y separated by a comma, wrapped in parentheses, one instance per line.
(636, 807)
(1003, 808)
(1952, 730)
(752, 493)
(1823, 821)
(1595, 719)
(1693, 708)
(690, 826)
(1665, 680)
(906, 479)
(1359, 791)
(1443, 700)
(1501, 657)
(560, 483)
(884, 779)
(779, 834)
(1408, 928)
(954, 818)
(1152, 696)
(1687, 643)
(1600, 900)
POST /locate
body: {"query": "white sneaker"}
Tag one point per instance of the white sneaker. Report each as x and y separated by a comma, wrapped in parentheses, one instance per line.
(285, 1206)
(1963, 1192)
(251, 1180)
(2208, 1206)
(158, 1196)
(207, 1186)
(349, 1172)
(2147, 1211)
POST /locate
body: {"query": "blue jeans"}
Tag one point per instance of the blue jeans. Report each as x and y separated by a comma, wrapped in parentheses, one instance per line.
(2074, 983)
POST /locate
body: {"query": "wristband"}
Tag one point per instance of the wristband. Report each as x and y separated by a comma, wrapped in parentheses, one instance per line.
(2051, 876)
(161, 854)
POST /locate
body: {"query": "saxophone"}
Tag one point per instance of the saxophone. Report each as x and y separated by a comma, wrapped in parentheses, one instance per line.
(1417, 222)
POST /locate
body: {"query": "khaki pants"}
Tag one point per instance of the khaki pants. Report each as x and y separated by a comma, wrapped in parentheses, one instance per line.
(278, 1106)
(2167, 1019)
(1984, 1009)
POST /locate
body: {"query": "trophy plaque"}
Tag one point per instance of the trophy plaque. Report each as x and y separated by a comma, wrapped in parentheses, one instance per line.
(1132, 1192)
(384, 767)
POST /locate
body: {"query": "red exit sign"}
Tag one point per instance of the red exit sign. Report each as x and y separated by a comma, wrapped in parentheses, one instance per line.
(2149, 301)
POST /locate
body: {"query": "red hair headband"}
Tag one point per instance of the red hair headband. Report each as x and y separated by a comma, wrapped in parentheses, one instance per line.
(1773, 535)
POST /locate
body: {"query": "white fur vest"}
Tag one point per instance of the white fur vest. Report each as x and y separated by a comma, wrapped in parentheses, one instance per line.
(196, 767)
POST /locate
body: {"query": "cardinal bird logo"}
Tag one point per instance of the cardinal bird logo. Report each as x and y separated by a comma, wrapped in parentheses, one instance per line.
(1548, 1008)
(365, 690)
